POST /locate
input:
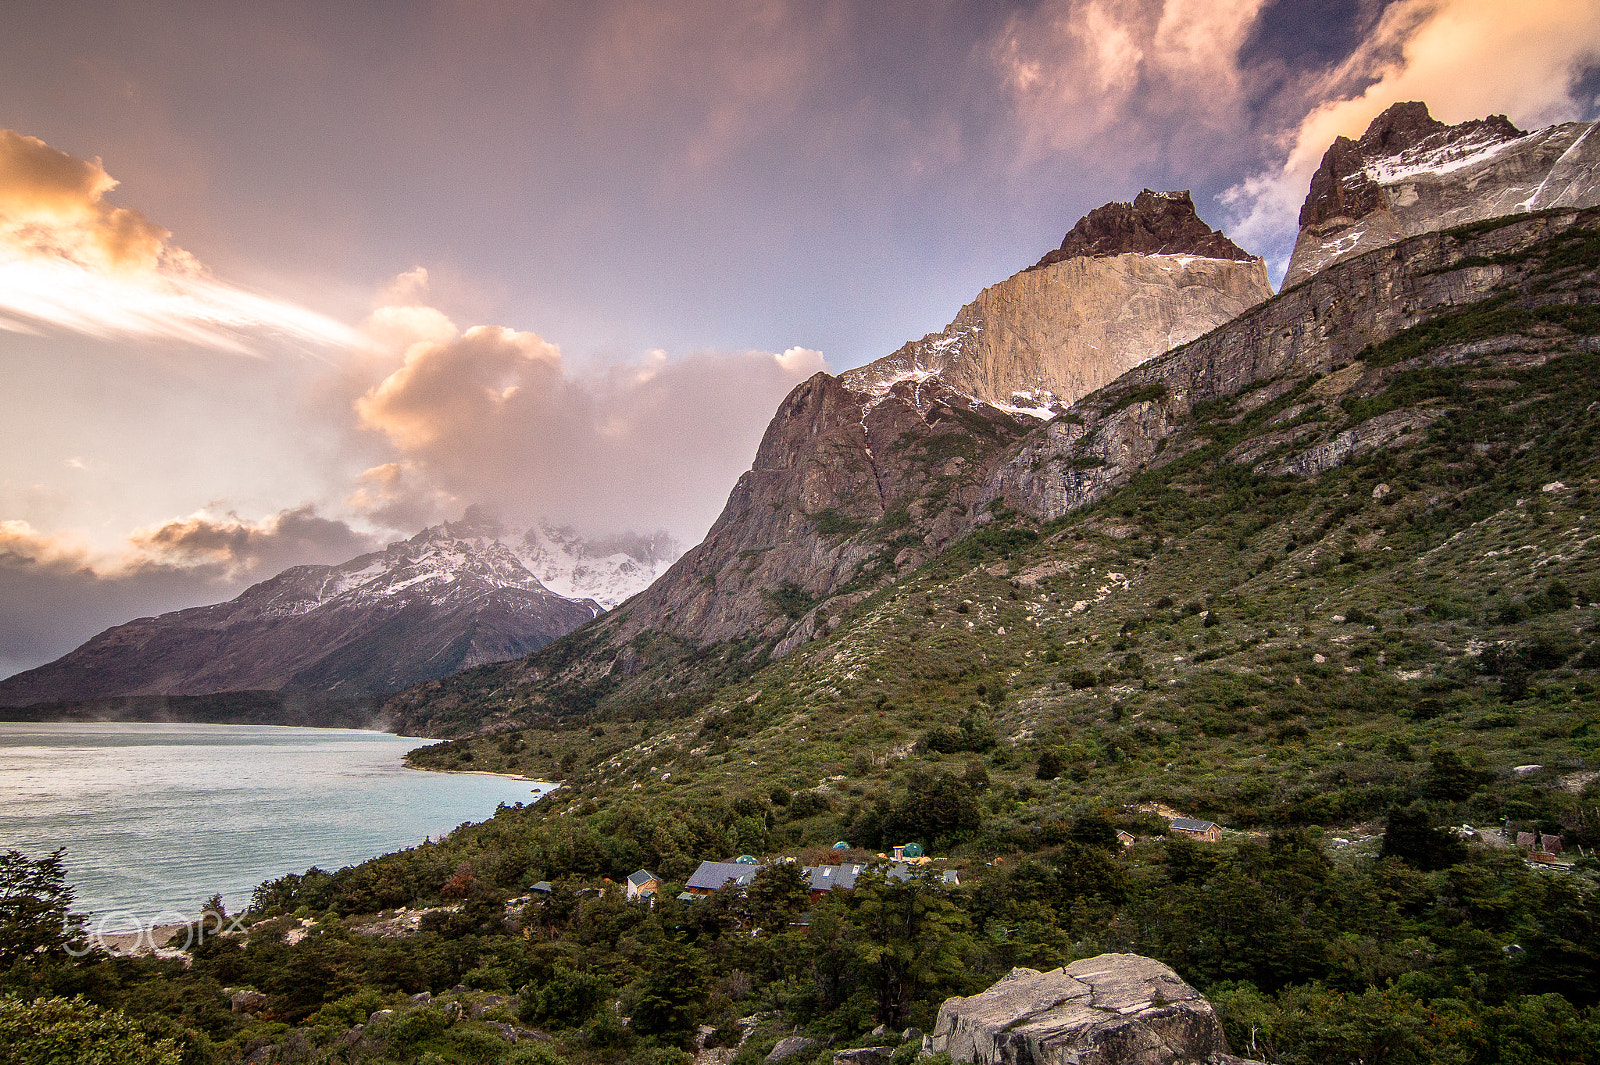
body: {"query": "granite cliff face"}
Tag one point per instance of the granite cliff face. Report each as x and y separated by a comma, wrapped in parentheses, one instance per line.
(1319, 329)
(1411, 174)
(448, 598)
(1130, 282)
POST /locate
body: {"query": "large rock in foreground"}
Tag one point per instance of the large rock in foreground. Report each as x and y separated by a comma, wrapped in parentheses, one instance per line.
(1115, 1009)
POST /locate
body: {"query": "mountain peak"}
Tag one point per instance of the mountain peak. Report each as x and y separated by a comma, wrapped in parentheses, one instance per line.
(1410, 174)
(1155, 223)
(1348, 181)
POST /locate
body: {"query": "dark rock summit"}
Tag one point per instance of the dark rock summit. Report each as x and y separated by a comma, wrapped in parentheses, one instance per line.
(1155, 223)
(1410, 174)
(1342, 187)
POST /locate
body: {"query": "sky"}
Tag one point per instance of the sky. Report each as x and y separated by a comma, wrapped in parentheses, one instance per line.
(281, 282)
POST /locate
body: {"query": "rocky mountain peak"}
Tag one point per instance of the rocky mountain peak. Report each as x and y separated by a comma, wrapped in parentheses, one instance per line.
(1410, 174)
(1155, 223)
(1346, 184)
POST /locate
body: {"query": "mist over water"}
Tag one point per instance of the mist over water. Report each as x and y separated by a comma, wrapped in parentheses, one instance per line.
(158, 817)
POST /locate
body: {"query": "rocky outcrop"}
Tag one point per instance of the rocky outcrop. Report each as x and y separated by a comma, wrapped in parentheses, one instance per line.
(1114, 1009)
(448, 598)
(789, 1047)
(1155, 223)
(1411, 174)
(1142, 420)
(843, 488)
(1037, 342)
(1131, 281)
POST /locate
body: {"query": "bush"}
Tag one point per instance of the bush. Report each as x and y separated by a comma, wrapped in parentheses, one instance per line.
(1051, 763)
(60, 1031)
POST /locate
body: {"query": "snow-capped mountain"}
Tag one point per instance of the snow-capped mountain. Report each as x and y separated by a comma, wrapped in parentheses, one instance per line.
(451, 597)
(608, 570)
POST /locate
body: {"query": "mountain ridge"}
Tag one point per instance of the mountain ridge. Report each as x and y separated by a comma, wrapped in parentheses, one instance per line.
(449, 597)
(1131, 430)
(1410, 174)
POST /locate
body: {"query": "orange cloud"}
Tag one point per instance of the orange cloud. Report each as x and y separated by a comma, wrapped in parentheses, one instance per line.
(52, 205)
(237, 547)
(494, 415)
(69, 259)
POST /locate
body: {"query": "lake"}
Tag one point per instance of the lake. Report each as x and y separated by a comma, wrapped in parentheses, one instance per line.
(156, 818)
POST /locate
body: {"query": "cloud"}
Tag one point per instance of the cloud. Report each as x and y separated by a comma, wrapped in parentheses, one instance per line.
(494, 415)
(51, 204)
(70, 260)
(1463, 58)
(1079, 71)
(237, 549)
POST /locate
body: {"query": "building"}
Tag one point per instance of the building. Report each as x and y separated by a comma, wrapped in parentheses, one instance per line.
(1206, 830)
(714, 875)
(643, 884)
(1125, 837)
(822, 879)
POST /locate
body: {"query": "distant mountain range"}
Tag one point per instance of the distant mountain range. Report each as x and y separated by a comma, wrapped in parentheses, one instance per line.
(455, 595)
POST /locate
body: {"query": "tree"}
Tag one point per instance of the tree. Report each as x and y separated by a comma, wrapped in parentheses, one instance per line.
(777, 895)
(1411, 837)
(35, 907)
(671, 989)
(1050, 764)
(907, 938)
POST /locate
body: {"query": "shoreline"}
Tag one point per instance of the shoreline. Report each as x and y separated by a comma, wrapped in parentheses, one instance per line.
(553, 784)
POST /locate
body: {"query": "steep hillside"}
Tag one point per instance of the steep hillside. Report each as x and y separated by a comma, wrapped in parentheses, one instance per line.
(860, 477)
(1379, 358)
(1229, 634)
(450, 597)
(1411, 174)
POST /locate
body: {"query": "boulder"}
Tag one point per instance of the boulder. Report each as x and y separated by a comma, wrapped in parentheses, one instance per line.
(863, 1056)
(1114, 1009)
(248, 1001)
(789, 1047)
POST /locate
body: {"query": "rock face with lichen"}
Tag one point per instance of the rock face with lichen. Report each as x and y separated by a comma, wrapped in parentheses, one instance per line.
(1411, 174)
(1114, 1009)
(1129, 282)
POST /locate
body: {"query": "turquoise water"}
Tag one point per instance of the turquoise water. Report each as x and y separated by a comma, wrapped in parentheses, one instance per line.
(156, 818)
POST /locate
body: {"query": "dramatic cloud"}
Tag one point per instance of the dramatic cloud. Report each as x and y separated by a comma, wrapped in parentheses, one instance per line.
(1463, 58)
(71, 260)
(494, 415)
(1080, 69)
